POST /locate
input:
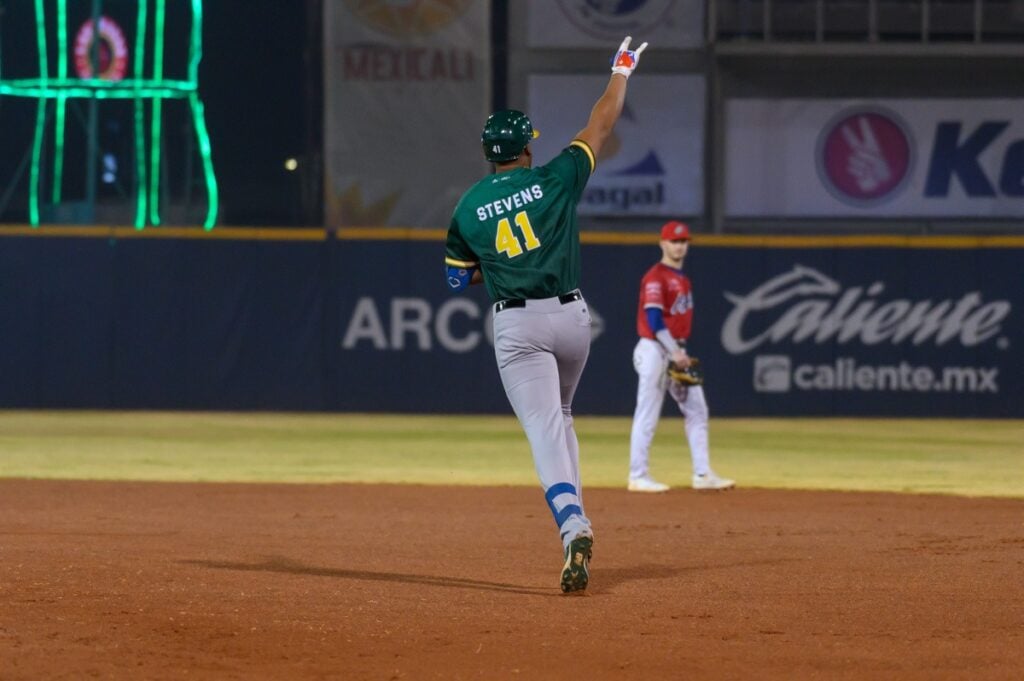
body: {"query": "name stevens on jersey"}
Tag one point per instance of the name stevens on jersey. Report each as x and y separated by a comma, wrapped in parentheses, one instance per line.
(505, 205)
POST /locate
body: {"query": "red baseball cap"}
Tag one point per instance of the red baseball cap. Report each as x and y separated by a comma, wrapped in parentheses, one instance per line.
(675, 230)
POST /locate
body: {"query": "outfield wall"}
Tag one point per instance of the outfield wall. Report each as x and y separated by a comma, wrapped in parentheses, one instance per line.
(301, 320)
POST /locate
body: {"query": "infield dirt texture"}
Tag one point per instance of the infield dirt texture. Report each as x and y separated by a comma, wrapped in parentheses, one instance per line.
(137, 580)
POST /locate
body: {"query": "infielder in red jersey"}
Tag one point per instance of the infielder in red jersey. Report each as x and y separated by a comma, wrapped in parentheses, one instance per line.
(664, 319)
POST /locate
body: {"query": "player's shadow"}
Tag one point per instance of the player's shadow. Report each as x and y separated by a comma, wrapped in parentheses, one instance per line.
(604, 579)
(288, 566)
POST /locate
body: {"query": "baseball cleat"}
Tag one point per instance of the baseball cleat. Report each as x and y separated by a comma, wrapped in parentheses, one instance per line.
(646, 485)
(711, 481)
(576, 572)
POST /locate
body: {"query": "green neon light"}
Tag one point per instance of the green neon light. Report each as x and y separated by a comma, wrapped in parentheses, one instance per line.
(205, 153)
(98, 89)
(37, 150)
(37, 137)
(140, 115)
(44, 65)
(62, 102)
(156, 89)
(62, 39)
(58, 162)
(155, 134)
(195, 52)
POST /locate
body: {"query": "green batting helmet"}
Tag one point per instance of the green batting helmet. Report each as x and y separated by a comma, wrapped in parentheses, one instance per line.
(506, 133)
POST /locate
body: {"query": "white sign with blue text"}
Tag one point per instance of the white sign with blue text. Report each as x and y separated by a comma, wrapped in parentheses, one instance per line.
(653, 163)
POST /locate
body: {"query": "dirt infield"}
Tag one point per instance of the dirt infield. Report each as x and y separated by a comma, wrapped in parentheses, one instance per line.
(214, 581)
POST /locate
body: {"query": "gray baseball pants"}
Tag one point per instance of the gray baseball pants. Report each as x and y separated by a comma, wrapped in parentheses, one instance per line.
(541, 349)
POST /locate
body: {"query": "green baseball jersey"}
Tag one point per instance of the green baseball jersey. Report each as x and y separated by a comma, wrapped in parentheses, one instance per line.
(520, 227)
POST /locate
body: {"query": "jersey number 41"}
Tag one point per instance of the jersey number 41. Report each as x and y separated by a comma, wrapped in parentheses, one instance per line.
(506, 241)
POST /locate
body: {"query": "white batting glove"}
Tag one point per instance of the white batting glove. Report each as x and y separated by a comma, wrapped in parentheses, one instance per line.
(625, 59)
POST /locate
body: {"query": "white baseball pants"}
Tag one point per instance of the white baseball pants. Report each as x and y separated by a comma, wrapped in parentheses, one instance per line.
(651, 363)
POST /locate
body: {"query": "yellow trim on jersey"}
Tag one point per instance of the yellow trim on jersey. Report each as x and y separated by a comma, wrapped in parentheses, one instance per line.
(460, 263)
(590, 152)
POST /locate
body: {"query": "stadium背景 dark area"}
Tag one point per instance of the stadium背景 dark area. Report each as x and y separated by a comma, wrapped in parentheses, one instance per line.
(260, 79)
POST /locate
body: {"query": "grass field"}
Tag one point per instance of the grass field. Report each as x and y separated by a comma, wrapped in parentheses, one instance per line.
(964, 457)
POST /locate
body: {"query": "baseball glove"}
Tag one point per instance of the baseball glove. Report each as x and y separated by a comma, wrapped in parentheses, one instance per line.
(691, 375)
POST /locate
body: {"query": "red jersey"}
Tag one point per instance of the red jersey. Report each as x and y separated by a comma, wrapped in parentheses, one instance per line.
(669, 290)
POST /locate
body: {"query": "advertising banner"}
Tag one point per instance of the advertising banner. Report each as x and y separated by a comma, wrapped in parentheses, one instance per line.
(653, 164)
(318, 325)
(406, 92)
(789, 331)
(879, 332)
(879, 158)
(586, 23)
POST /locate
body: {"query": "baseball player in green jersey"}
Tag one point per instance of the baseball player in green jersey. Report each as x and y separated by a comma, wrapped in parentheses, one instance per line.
(516, 232)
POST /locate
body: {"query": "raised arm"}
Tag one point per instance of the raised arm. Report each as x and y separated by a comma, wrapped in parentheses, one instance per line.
(609, 105)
